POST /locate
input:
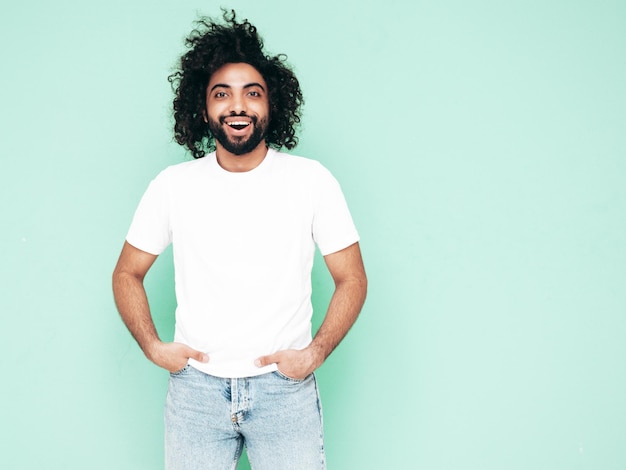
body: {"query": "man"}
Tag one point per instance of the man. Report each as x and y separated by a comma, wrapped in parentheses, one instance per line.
(244, 220)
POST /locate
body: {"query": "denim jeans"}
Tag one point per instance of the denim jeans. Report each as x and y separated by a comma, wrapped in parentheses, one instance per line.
(209, 419)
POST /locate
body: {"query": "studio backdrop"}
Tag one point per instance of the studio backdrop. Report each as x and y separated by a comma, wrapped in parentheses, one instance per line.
(482, 149)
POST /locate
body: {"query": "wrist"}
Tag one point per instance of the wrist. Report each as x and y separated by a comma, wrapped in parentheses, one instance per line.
(317, 353)
(152, 350)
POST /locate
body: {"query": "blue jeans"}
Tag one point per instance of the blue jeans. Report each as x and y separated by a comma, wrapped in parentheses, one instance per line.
(209, 419)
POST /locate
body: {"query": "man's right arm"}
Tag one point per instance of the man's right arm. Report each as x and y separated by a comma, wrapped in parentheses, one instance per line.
(132, 303)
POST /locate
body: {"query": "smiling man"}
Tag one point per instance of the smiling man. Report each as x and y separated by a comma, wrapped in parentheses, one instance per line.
(233, 90)
(244, 220)
(237, 113)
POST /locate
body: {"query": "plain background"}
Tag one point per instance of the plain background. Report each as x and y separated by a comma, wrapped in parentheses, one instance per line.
(482, 148)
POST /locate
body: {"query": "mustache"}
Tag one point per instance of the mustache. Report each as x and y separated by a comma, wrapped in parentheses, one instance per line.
(222, 119)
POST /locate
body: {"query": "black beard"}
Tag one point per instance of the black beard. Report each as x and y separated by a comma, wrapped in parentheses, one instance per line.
(240, 145)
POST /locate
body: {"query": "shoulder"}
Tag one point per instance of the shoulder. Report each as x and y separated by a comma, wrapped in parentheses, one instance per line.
(183, 171)
(191, 166)
(300, 165)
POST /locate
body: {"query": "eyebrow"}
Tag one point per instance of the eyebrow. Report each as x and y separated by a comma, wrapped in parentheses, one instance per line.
(249, 85)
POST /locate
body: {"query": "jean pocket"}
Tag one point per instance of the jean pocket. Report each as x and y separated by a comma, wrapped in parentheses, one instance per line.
(180, 372)
(286, 378)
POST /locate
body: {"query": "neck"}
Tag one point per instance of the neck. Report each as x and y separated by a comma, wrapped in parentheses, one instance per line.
(240, 163)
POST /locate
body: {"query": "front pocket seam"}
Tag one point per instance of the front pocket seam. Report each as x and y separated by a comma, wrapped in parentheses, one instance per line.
(287, 378)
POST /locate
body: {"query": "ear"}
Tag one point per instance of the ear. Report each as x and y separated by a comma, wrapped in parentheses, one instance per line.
(204, 116)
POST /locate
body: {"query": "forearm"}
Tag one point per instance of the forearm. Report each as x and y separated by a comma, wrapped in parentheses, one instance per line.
(343, 310)
(346, 268)
(132, 304)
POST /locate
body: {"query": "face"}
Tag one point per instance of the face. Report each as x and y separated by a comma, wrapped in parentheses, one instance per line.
(237, 108)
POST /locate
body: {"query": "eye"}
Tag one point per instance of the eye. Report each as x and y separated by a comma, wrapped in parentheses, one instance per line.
(255, 94)
(220, 94)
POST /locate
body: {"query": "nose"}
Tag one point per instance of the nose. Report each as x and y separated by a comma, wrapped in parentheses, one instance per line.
(237, 104)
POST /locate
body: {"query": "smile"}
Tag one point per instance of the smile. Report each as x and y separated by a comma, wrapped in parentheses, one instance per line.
(238, 124)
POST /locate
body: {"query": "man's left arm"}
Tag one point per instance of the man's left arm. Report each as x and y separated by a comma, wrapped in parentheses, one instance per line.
(346, 268)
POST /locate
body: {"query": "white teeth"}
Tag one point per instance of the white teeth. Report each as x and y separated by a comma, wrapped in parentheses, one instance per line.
(238, 123)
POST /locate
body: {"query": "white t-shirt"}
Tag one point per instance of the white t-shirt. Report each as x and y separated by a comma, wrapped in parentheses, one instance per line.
(243, 251)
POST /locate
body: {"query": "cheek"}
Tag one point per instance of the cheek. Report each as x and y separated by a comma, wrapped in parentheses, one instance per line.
(264, 109)
(213, 112)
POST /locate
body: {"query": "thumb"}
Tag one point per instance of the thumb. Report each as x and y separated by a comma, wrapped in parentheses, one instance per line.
(266, 360)
(197, 355)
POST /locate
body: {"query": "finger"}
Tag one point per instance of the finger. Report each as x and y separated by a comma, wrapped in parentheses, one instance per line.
(197, 355)
(266, 360)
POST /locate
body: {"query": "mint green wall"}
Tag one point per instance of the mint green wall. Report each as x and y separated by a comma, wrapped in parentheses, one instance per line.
(482, 148)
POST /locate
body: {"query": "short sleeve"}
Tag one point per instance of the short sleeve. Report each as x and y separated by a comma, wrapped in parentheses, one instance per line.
(333, 228)
(150, 230)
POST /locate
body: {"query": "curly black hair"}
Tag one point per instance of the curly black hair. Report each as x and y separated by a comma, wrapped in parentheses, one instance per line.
(212, 45)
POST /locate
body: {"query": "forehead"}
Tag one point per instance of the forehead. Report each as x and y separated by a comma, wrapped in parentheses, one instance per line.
(236, 75)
